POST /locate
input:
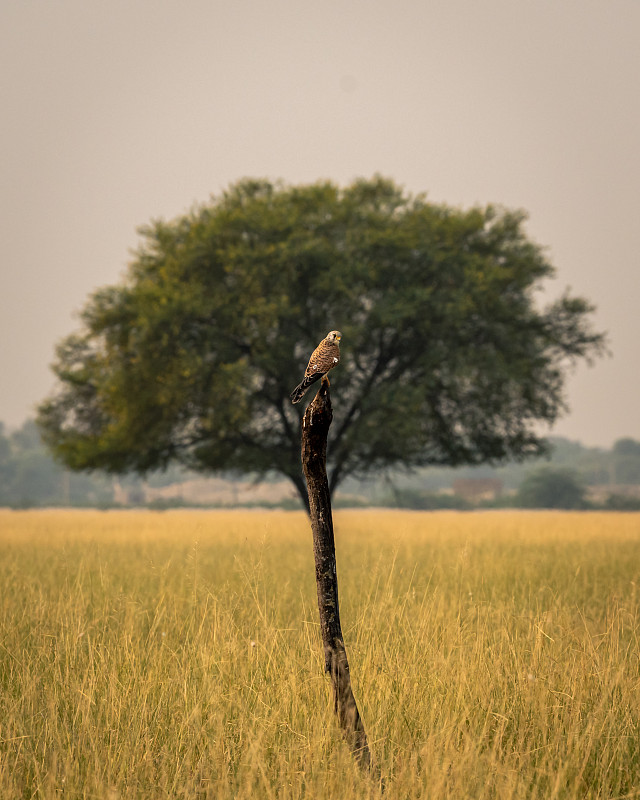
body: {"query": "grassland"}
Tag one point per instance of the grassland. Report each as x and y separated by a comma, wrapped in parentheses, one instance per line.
(177, 655)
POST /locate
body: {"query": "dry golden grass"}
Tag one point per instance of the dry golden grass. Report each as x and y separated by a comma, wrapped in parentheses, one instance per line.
(177, 654)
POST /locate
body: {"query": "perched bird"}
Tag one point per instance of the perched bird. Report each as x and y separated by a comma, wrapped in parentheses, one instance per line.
(324, 357)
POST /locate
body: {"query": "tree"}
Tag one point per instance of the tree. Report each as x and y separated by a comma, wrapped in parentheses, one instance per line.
(446, 358)
(315, 429)
(552, 488)
(7, 466)
(626, 461)
(35, 477)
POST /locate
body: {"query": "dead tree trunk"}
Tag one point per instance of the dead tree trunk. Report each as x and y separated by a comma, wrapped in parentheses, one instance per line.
(315, 429)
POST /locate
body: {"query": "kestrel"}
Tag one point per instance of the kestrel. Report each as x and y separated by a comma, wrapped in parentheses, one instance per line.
(324, 357)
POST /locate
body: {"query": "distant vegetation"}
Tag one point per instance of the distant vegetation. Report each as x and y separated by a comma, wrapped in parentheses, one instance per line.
(30, 477)
(573, 477)
(552, 488)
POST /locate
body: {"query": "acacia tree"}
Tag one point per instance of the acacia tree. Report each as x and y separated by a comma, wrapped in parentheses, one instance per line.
(446, 356)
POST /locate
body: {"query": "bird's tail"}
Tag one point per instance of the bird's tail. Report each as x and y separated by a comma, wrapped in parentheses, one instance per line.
(301, 388)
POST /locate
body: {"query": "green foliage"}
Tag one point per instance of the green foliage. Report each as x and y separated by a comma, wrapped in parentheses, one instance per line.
(446, 358)
(626, 461)
(552, 488)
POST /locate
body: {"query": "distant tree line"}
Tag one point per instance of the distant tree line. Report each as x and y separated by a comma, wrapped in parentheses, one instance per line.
(29, 477)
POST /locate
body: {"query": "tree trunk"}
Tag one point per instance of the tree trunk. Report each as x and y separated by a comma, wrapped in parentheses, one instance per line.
(315, 428)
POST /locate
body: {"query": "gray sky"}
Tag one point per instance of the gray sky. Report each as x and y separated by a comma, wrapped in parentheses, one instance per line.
(114, 113)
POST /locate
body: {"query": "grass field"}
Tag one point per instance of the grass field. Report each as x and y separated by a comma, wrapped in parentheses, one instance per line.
(177, 654)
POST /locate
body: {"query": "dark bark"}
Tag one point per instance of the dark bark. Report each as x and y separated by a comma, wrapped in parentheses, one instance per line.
(315, 428)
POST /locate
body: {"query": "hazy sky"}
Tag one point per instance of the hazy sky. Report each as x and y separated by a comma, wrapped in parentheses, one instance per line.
(114, 113)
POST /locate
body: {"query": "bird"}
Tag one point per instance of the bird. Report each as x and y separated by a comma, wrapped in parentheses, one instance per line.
(324, 357)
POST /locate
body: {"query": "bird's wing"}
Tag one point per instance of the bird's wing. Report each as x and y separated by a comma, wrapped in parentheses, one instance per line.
(325, 356)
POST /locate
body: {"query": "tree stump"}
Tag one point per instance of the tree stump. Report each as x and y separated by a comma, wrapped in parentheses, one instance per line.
(315, 429)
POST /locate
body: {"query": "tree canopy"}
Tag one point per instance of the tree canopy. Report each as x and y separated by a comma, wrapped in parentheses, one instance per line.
(447, 358)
